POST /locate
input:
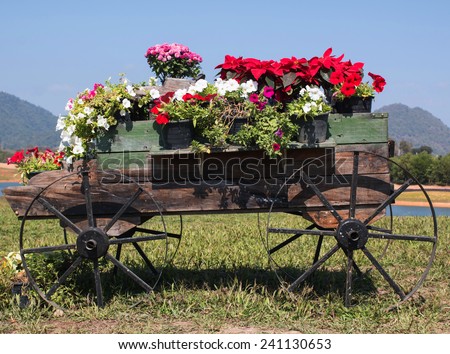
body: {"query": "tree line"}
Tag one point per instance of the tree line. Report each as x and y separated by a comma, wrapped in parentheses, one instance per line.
(421, 164)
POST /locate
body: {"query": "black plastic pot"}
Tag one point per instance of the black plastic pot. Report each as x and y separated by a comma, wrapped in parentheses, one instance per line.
(237, 124)
(313, 131)
(354, 105)
(177, 135)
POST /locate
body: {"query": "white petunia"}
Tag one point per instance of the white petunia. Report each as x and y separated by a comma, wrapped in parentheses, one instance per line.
(78, 147)
(123, 112)
(192, 90)
(61, 123)
(102, 122)
(249, 86)
(126, 103)
(88, 110)
(154, 93)
(69, 159)
(178, 95)
(307, 108)
(130, 90)
(65, 136)
(200, 85)
(232, 85)
(315, 93)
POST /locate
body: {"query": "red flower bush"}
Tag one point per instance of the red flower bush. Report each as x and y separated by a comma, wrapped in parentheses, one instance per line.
(289, 75)
(34, 160)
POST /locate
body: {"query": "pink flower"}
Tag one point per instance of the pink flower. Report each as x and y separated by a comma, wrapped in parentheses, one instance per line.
(276, 146)
(268, 91)
(253, 98)
(279, 133)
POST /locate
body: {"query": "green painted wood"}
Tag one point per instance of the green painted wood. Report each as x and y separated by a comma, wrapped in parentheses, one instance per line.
(130, 136)
(360, 128)
(138, 160)
(129, 144)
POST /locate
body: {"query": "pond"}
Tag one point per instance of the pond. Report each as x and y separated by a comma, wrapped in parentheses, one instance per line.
(7, 184)
(398, 210)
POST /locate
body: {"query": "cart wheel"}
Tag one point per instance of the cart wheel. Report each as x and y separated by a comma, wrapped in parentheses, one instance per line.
(346, 226)
(108, 247)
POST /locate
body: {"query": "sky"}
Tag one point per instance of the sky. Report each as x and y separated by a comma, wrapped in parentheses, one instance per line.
(51, 50)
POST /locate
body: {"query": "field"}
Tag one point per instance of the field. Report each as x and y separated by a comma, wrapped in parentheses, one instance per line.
(8, 173)
(221, 282)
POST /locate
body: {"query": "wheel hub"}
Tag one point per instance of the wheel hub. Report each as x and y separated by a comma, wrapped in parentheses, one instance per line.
(352, 234)
(92, 243)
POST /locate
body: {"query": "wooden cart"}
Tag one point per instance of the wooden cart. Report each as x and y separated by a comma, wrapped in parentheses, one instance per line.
(133, 197)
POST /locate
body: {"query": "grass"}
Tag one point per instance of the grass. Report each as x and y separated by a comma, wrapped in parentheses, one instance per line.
(418, 196)
(220, 282)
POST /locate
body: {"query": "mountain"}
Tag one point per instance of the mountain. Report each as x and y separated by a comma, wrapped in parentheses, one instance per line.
(24, 125)
(418, 127)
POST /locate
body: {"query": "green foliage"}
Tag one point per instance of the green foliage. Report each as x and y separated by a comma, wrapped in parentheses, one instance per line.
(426, 168)
(271, 131)
(4, 154)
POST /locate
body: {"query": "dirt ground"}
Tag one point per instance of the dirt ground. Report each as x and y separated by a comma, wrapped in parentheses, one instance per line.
(8, 173)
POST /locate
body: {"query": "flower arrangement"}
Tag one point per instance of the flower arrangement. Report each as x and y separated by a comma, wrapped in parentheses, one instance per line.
(310, 103)
(350, 85)
(173, 60)
(268, 93)
(289, 75)
(34, 160)
(202, 100)
(192, 104)
(94, 111)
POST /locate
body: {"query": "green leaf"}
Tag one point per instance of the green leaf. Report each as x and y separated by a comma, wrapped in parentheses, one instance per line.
(270, 82)
(288, 79)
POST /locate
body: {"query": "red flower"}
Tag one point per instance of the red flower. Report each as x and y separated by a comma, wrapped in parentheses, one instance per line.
(187, 96)
(16, 158)
(276, 146)
(378, 82)
(155, 109)
(162, 118)
(348, 90)
(34, 151)
(354, 79)
(166, 97)
(336, 77)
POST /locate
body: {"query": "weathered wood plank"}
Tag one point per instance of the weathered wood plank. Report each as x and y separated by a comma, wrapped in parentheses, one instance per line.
(358, 128)
(195, 197)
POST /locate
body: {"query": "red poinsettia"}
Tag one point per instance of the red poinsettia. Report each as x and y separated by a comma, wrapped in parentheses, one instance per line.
(289, 75)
